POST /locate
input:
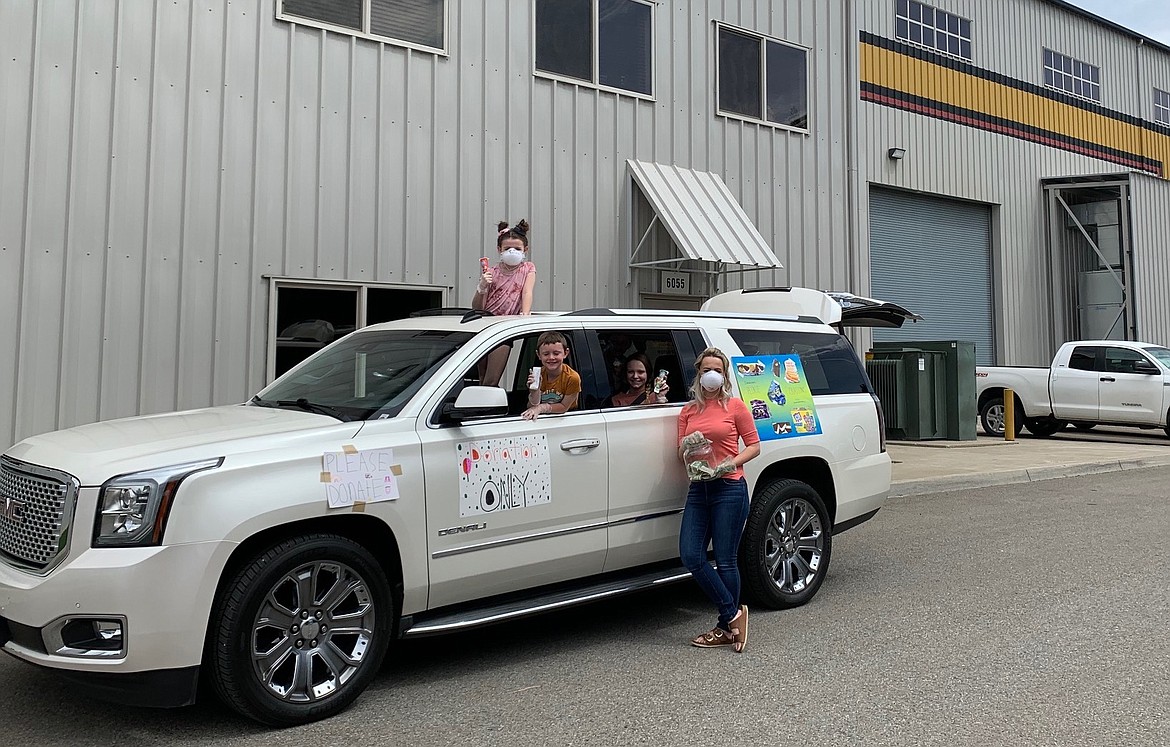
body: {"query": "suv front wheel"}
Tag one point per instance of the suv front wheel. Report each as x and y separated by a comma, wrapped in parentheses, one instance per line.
(300, 630)
(784, 554)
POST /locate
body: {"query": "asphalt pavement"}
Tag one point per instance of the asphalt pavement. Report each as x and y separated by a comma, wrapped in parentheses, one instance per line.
(1029, 614)
(989, 602)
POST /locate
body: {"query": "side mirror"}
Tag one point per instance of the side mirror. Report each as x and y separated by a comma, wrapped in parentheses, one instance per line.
(477, 402)
(1145, 367)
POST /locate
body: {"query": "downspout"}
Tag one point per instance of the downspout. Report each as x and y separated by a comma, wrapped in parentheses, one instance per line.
(853, 92)
(853, 95)
(1125, 219)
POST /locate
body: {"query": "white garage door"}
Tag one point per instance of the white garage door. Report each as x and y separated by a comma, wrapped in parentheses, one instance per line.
(933, 256)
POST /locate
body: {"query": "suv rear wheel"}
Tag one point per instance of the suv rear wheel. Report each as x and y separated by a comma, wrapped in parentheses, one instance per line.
(300, 630)
(786, 545)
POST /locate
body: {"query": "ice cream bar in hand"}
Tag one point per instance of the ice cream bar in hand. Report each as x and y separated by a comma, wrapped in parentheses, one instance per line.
(484, 264)
(660, 380)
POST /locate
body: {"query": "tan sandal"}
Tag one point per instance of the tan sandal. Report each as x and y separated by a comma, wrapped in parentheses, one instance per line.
(713, 638)
(739, 629)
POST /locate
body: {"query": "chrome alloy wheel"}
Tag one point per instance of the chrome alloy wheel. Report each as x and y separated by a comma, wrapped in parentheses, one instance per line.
(312, 631)
(794, 543)
(995, 418)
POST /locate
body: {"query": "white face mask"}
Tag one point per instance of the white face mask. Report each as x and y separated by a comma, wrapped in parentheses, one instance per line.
(512, 257)
(711, 380)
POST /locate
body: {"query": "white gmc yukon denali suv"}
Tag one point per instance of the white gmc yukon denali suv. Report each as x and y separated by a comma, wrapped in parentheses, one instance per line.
(379, 489)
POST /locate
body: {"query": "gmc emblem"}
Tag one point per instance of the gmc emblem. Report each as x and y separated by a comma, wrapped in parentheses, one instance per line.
(12, 510)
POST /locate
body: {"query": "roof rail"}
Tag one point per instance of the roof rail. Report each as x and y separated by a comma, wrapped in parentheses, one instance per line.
(598, 311)
(469, 315)
(686, 314)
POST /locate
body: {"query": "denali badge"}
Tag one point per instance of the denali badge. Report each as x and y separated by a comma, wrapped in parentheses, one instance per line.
(12, 510)
(462, 529)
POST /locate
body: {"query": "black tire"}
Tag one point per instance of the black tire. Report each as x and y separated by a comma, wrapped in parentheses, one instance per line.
(1044, 427)
(786, 546)
(307, 581)
(1081, 425)
(991, 416)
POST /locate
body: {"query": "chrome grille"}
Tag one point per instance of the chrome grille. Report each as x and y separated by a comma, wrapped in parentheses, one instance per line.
(36, 509)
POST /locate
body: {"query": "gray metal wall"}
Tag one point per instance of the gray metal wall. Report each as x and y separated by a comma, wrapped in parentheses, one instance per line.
(1150, 211)
(971, 164)
(159, 159)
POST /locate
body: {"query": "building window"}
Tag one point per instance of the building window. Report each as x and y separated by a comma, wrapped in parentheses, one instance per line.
(761, 79)
(413, 23)
(934, 29)
(307, 315)
(606, 43)
(1072, 76)
(1161, 107)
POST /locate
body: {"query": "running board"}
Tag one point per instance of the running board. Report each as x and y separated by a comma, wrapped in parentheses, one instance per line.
(473, 618)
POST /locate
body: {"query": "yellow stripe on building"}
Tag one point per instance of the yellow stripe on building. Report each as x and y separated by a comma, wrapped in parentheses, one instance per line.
(910, 75)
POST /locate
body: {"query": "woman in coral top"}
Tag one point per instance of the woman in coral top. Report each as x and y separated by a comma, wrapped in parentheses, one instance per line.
(710, 429)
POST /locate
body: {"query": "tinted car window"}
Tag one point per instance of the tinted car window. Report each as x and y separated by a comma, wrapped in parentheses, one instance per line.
(660, 347)
(830, 363)
(1121, 360)
(522, 358)
(1083, 359)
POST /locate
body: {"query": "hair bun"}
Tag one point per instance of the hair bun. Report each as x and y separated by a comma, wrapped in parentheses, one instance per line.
(521, 227)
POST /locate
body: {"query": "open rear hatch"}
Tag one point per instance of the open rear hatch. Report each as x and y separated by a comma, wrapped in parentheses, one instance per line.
(858, 311)
(838, 308)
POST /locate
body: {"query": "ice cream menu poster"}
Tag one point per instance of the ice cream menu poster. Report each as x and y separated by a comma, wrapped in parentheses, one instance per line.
(776, 393)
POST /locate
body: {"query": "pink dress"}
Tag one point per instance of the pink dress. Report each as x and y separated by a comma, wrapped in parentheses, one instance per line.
(506, 295)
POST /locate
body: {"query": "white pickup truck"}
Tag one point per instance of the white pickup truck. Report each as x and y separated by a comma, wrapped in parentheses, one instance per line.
(1089, 382)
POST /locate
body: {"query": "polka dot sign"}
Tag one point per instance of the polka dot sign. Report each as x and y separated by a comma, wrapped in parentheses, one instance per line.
(503, 474)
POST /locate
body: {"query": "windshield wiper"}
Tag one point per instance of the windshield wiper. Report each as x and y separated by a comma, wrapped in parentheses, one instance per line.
(308, 406)
(303, 404)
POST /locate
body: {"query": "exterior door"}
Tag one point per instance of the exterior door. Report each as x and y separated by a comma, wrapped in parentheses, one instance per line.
(912, 237)
(1128, 397)
(513, 503)
(647, 484)
(1073, 388)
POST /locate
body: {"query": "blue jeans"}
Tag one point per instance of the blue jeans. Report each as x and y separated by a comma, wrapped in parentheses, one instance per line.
(715, 513)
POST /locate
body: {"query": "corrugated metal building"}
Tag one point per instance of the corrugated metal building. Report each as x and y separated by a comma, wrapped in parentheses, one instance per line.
(1022, 115)
(194, 196)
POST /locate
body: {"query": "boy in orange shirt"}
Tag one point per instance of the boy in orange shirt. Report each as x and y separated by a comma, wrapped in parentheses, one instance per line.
(559, 383)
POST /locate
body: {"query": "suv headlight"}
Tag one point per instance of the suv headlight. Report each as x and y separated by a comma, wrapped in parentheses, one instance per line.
(133, 509)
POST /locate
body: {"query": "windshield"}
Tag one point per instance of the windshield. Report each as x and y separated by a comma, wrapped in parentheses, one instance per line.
(364, 373)
(1161, 354)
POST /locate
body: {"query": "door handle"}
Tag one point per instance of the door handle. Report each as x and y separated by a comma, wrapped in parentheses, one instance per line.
(581, 445)
(1108, 378)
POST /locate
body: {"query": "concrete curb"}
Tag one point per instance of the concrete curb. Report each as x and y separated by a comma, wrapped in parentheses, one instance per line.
(949, 483)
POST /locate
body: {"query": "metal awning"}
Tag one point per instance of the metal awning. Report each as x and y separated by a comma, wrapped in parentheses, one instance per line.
(701, 216)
